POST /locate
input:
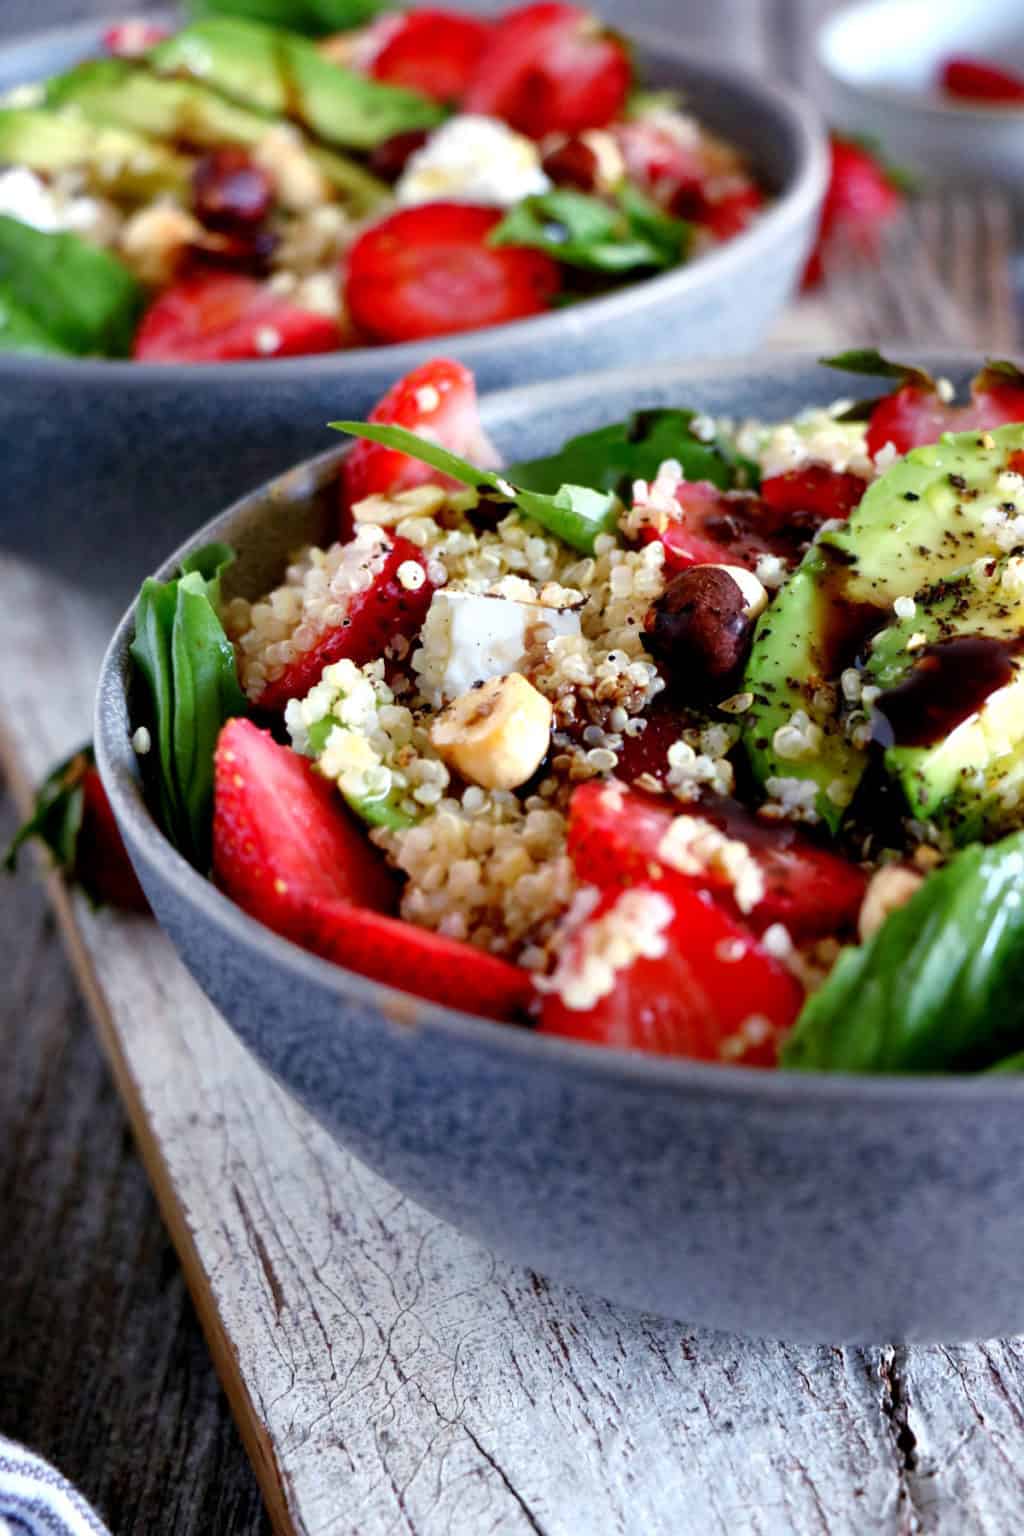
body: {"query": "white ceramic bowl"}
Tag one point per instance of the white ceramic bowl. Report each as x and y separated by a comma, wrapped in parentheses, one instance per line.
(881, 60)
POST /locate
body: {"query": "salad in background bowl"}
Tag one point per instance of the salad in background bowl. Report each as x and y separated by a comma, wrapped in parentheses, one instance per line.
(129, 458)
(233, 191)
(735, 1197)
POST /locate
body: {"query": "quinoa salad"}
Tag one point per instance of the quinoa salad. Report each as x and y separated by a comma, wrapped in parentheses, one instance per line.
(238, 191)
(699, 737)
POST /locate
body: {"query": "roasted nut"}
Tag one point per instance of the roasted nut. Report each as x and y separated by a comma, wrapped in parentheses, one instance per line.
(889, 888)
(497, 734)
(701, 626)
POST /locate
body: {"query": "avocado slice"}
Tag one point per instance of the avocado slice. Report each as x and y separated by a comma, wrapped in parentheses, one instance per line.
(117, 93)
(923, 521)
(119, 162)
(78, 296)
(283, 74)
(950, 715)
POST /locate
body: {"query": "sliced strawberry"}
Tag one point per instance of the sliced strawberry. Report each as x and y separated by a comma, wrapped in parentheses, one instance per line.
(862, 197)
(815, 489)
(648, 752)
(550, 68)
(286, 850)
(716, 526)
(971, 79)
(615, 836)
(373, 617)
(429, 271)
(102, 864)
(671, 171)
(399, 954)
(915, 415)
(714, 994)
(131, 38)
(438, 398)
(434, 52)
(282, 836)
(222, 317)
(729, 215)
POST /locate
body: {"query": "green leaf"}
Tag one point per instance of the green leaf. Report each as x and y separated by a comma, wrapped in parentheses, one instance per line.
(314, 17)
(611, 458)
(939, 988)
(869, 361)
(188, 666)
(584, 231)
(1014, 1063)
(73, 293)
(56, 818)
(575, 513)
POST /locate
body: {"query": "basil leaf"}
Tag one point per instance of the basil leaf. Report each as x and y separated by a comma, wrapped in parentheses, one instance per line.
(869, 361)
(939, 988)
(1014, 1063)
(575, 513)
(313, 17)
(614, 456)
(584, 231)
(56, 818)
(188, 666)
(79, 297)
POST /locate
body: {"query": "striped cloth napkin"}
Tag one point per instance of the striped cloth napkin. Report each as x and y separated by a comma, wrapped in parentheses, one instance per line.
(36, 1501)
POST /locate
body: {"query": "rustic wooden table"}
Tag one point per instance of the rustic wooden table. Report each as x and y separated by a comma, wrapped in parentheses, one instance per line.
(545, 1413)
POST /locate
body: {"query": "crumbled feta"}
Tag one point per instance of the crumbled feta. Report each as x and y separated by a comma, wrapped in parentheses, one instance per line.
(816, 437)
(26, 197)
(470, 637)
(473, 159)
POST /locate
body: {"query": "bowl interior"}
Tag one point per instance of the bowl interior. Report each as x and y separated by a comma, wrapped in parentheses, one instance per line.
(266, 526)
(897, 46)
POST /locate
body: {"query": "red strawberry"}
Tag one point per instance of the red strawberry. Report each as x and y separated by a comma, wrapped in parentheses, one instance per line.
(972, 79)
(715, 527)
(131, 38)
(730, 215)
(223, 317)
(102, 864)
(673, 173)
(815, 489)
(915, 415)
(714, 994)
(429, 271)
(286, 850)
(438, 398)
(550, 68)
(281, 835)
(373, 617)
(861, 198)
(434, 52)
(399, 954)
(614, 836)
(648, 752)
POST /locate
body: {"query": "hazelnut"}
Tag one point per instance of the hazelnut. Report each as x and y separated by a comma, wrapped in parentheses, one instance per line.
(229, 191)
(889, 888)
(702, 626)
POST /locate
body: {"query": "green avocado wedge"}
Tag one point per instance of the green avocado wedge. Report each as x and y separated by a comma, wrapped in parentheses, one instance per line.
(283, 74)
(939, 988)
(929, 516)
(117, 161)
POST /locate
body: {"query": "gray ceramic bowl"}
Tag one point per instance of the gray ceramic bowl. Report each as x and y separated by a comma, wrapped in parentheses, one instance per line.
(116, 462)
(808, 1207)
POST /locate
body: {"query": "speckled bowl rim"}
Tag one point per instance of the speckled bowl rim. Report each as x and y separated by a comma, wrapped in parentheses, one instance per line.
(897, 101)
(787, 214)
(402, 1010)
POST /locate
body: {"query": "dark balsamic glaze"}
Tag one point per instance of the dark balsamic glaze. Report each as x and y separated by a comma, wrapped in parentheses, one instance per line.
(948, 683)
